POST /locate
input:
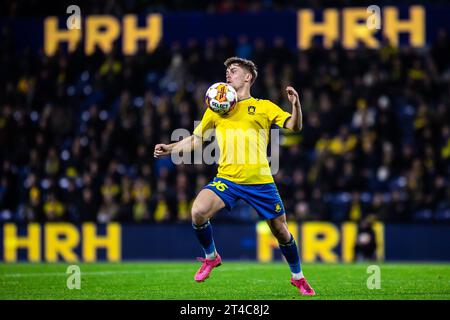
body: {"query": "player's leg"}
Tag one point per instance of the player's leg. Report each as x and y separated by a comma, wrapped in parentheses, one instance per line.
(288, 247)
(205, 205)
(267, 202)
(287, 243)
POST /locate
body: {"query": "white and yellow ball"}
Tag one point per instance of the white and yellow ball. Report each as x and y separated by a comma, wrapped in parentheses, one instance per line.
(221, 97)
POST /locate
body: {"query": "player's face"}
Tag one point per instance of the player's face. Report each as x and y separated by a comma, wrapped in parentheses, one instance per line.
(237, 76)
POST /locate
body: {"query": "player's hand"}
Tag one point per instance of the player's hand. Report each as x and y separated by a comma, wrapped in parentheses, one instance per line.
(161, 150)
(292, 95)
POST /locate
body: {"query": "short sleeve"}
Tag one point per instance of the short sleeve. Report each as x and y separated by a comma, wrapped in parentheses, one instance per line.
(206, 126)
(276, 115)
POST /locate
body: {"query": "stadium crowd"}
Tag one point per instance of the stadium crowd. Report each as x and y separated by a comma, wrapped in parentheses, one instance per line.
(77, 132)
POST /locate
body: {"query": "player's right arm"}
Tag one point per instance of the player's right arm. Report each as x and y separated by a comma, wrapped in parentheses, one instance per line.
(186, 145)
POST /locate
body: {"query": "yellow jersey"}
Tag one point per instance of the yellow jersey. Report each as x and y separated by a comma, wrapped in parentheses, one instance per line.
(242, 136)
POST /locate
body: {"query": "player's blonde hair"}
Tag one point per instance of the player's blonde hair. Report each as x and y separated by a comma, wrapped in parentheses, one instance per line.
(244, 63)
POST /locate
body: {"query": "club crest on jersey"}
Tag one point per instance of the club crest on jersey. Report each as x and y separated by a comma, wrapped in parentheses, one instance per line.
(277, 207)
(251, 109)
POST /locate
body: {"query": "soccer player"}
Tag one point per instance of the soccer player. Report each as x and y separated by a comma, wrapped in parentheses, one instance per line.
(251, 181)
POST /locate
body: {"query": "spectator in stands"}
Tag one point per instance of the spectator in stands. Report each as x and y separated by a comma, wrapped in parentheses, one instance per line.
(366, 245)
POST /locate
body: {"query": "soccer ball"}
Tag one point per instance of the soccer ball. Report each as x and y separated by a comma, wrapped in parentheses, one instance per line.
(221, 98)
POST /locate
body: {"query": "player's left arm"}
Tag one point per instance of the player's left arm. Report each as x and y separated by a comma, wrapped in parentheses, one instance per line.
(295, 122)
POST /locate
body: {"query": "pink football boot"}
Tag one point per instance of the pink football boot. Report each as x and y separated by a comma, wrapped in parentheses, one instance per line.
(207, 267)
(303, 286)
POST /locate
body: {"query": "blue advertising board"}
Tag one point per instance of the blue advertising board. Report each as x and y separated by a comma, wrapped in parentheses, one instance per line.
(319, 242)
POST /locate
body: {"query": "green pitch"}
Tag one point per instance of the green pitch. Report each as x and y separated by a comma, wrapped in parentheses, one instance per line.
(232, 280)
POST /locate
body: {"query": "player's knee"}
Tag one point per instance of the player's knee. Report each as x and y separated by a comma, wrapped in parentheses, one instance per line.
(199, 214)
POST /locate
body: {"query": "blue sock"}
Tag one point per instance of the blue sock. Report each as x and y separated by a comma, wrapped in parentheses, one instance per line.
(290, 252)
(205, 237)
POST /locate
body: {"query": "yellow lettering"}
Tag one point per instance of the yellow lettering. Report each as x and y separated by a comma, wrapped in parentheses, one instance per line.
(378, 227)
(31, 242)
(95, 36)
(313, 247)
(415, 26)
(53, 36)
(111, 242)
(307, 28)
(152, 33)
(349, 235)
(55, 246)
(355, 30)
